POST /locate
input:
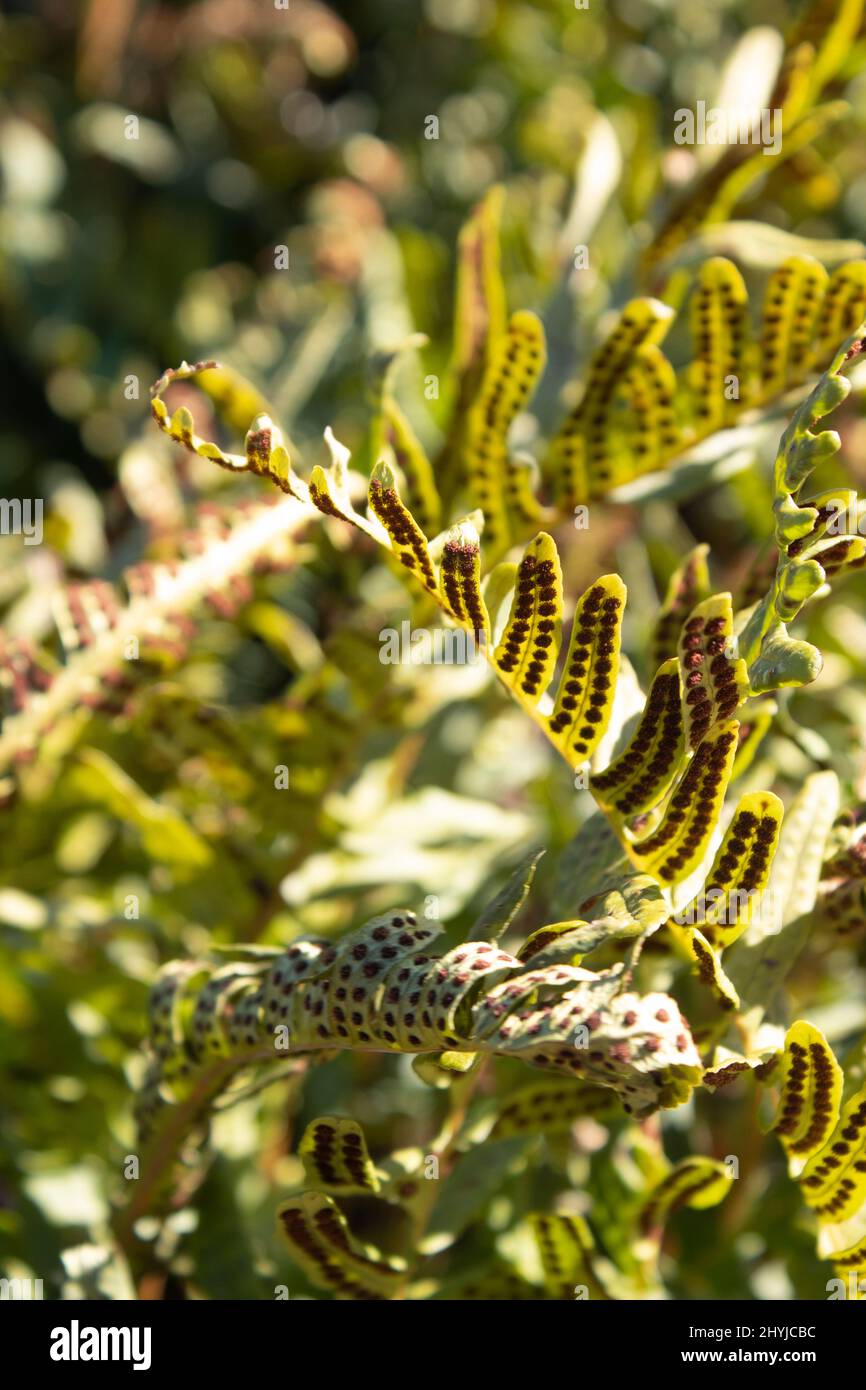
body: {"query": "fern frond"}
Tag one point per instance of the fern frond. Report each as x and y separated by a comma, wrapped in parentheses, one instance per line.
(721, 333)
(825, 1141)
(775, 660)
(677, 845)
(379, 990)
(810, 1090)
(574, 715)
(494, 483)
(583, 454)
(638, 778)
(526, 654)
(815, 49)
(318, 1236)
(335, 1157)
(674, 771)
(402, 531)
(108, 641)
(567, 1252)
(479, 323)
(714, 683)
(583, 702)
(415, 467)
(550, 1108)
(740, 870)
(694, 1182)
(635, 412)
(264, 450)
(792, 303)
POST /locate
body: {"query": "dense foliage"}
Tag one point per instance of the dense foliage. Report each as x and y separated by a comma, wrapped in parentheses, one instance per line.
(433, 733)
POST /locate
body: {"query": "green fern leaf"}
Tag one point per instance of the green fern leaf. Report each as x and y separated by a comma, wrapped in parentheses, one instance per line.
(714, 683)
(639, 777)
(495, 484)
(584, 699)
(695, 1182)
(546, 1108)
(320, 1242)
(526, 654)
(719, 315)
(810, 1087)
(567, 1251)
(688, 585)
(335, 1157)
(580, 463)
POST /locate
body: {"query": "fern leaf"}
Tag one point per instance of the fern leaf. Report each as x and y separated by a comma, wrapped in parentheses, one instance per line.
(740, 871)
(764, 643)
(155, 622)
(579, 461)
(319, 1240)
(815, 48)
(329, 489)
(407, 539)
(708, 967)
(479, 318)
(688, 586)
(834, 1185)
(626, 906)
(226, 1013)
(527, 650)
(381, 372)
(515, 363)
(624, 899)
(714, 683)
(479, 323)
(810, 1084)
(555, 943)
(376, 990)
(793, 295)
(637, 1034)
(719, 315)
(695, 1182)
(678, 844)
(443, 1069)
(842, 308)
(335, 1157)
(842, 907)
(649, 388)
(761, 958)
(550, 1108)
(639, 777)
(501, 912)
(584, 698)
(567, 1250)
(460, 581)
(410, 457)
(265, 453)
